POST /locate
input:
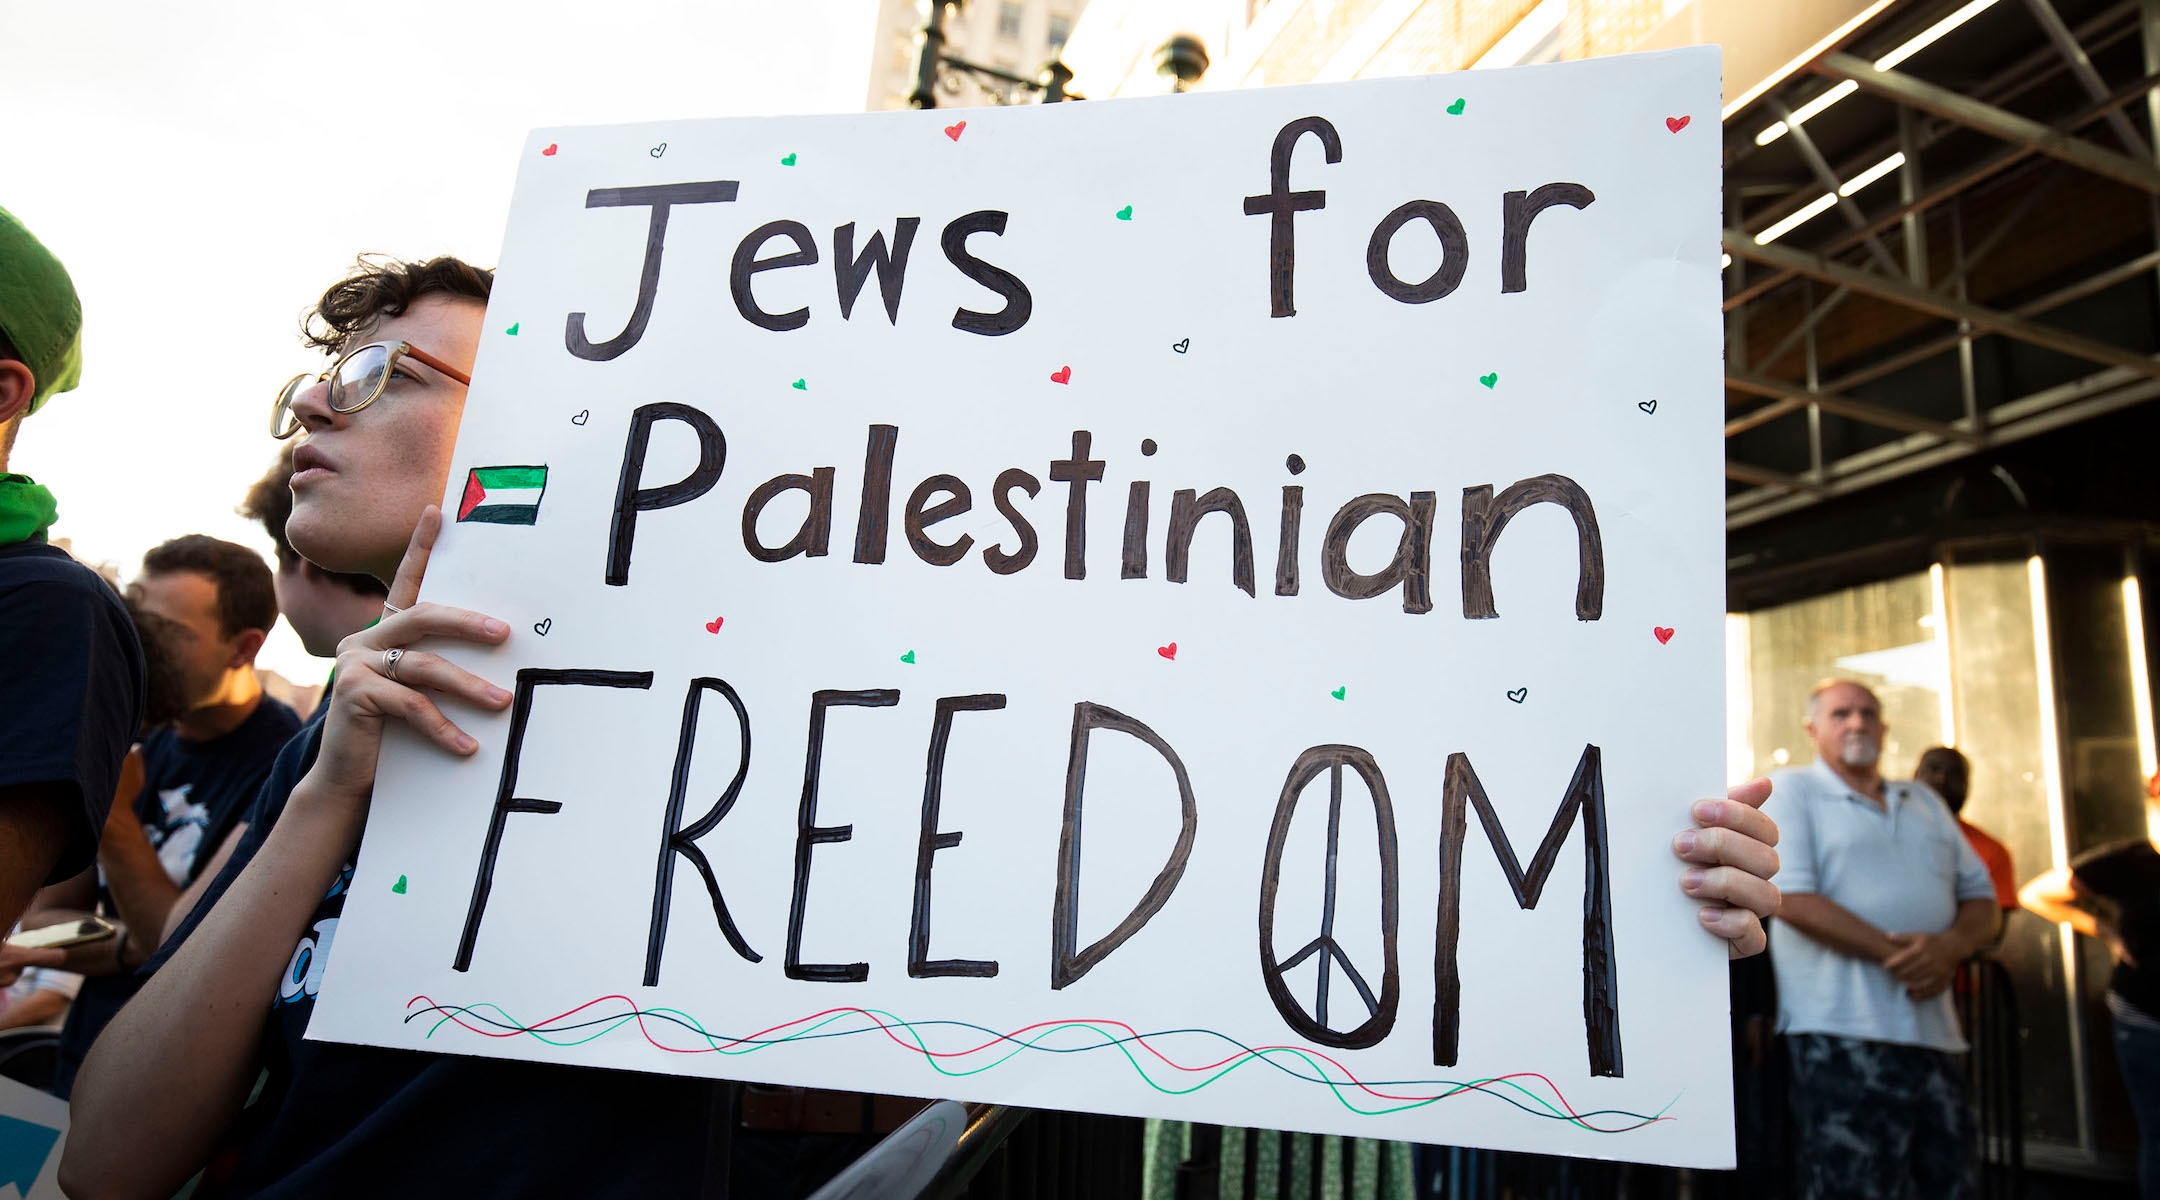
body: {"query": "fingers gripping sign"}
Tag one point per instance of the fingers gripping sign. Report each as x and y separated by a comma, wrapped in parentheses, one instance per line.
(1731, 848)
(381, 677)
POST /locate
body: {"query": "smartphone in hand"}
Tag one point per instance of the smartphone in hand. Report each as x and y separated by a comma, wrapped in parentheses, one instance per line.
(66, 933)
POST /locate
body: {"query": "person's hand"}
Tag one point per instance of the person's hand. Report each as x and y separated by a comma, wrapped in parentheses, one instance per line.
(371, 691)
(14, 958)
(1924, 962)
(1730, 846)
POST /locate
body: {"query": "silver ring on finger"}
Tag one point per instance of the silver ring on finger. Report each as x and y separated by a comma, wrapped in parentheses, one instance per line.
(391, 609)
(390, 664)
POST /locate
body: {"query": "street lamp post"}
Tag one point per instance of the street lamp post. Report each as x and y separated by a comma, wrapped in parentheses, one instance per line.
(933, 66)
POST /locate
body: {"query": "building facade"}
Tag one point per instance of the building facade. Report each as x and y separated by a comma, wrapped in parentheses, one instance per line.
(1018, 37)
(1256, 43)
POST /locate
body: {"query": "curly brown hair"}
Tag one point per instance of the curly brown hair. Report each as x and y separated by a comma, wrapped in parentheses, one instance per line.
(385, 287)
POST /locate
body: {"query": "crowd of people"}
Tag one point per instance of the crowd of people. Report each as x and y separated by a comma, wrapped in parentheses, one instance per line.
(152, 793)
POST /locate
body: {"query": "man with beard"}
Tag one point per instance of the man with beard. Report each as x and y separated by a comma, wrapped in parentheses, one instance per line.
(1883, 899)
(199, 773)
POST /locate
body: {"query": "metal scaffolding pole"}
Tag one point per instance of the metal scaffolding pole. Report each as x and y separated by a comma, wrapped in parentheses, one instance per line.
(2010, 127)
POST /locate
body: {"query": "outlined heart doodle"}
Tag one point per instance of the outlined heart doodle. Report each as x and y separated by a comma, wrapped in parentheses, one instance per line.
(1518, 695)
(1648, 406)
(1182, 345)
(658, 150)
(584, 415)
(542, 625)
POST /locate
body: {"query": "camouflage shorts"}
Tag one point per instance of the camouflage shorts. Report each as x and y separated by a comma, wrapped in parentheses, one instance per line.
(1880, 1119)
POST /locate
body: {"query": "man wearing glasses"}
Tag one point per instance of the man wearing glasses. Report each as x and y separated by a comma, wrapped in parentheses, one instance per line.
(165, 1087)
(71, 671)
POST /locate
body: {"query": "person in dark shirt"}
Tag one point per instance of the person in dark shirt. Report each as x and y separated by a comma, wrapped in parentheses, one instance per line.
(2113, 893)
(166, 1089)
(71, 671)
(199, 773)
(323, 607)
(1949, 773)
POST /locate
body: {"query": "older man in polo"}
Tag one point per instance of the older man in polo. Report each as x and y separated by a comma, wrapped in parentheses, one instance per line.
(1883, 899)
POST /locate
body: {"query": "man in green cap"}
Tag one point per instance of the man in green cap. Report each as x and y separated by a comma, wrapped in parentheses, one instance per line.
(71, 670)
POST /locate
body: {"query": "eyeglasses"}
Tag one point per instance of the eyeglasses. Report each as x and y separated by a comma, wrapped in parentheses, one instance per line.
(356, 381)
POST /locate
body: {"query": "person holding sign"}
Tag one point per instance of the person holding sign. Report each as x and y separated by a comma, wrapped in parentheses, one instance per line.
(165, 1088)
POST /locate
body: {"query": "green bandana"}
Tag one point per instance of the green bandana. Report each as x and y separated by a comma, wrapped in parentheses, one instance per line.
(26, 508)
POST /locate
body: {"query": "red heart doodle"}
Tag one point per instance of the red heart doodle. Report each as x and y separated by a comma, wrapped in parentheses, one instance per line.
(1664, 635)
(954, 131)
(1676, 124)
(713, 626)
(1061, 375)
(550, 151)
(1169, 651)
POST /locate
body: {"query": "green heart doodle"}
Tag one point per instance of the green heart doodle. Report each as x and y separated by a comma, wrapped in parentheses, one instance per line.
(1455, 109)
(1125, 213)
(800, 385)
(789, 161)
(512, 331)
(399, 886)
(1489, 379)
(908, 657)
(1339, 692)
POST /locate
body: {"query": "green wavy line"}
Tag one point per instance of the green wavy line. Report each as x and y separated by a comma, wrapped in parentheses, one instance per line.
(894, 1022)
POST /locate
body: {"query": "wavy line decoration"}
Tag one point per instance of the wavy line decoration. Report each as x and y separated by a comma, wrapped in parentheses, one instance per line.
(981, 1049)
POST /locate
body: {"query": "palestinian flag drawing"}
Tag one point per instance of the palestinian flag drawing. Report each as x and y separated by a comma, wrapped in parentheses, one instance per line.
(503, 495)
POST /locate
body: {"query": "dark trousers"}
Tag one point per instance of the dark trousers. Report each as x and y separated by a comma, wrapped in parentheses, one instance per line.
(2137, 1050)
(1879, 1119)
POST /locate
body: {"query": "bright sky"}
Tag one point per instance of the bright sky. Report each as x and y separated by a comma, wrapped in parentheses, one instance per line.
(206, 170)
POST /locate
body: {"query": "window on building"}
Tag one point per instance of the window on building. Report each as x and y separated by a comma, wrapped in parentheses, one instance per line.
(1009, 15)
(1060, 30)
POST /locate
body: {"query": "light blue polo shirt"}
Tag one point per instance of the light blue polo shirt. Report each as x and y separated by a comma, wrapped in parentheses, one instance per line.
(1903, 869)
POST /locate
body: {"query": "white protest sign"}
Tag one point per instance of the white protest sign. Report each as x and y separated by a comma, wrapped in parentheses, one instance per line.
(1075, 606)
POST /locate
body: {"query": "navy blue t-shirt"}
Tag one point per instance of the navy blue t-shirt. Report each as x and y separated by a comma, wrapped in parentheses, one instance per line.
(71, 686)
(341, 1120)
(193, 793)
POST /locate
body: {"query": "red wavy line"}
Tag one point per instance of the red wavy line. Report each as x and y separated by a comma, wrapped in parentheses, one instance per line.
(638, 1015)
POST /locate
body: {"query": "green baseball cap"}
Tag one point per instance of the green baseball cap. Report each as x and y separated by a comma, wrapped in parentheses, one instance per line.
(39, 312)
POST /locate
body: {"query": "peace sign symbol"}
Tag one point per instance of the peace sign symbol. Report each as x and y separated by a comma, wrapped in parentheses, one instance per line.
(1380, 1012)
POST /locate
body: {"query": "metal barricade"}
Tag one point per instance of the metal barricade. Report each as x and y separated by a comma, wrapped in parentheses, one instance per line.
(1987, 1007)
(1008, 1154)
